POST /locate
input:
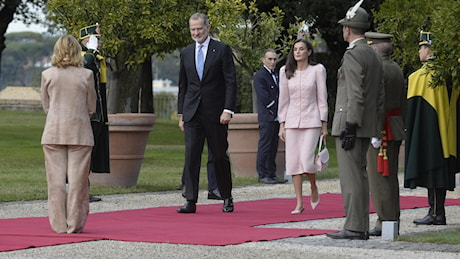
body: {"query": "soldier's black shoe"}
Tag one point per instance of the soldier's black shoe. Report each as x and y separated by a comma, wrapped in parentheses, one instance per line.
(94, 199)
(431, 220)
(375, 232)
(348, 234)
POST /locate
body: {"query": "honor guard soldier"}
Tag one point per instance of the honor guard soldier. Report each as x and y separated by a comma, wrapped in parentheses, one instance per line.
(383, 154)
(91, 41)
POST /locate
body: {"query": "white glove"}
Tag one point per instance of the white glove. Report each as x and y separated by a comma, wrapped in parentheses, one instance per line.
(92, 43)
(376, 142)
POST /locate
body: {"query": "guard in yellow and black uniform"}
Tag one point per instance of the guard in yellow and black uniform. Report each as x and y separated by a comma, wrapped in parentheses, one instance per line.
(432, 132)
(91, 41)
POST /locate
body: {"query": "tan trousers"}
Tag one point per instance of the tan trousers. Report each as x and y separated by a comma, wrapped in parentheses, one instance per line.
(354, 184)
(68, 210)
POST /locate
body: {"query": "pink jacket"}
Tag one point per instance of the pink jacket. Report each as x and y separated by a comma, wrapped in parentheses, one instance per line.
(303, 98)
(69, 98)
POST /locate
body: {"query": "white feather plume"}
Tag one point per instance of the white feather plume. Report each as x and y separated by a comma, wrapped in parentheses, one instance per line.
(352, 12)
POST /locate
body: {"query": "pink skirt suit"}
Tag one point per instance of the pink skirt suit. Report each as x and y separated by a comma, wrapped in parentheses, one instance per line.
(302, 107)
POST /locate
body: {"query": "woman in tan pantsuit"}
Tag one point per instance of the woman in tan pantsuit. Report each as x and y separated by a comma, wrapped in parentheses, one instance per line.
(68, 98)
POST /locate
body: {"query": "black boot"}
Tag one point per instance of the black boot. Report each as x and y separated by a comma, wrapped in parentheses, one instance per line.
(436, 215)
(439, 209)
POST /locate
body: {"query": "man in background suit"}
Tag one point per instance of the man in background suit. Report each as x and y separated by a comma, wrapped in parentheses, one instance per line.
(267, 89)
(383, 180)
(206, 103)
(358, 117)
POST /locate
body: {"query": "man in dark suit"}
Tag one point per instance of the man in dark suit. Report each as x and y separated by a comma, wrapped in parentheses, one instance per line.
(267, 90)
(206, 103)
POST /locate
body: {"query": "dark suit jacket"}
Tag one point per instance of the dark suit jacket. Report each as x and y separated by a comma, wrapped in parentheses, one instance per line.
(267, 95)
(216, 91)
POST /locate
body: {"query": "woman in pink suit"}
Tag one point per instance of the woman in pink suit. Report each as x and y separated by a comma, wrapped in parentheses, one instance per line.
(68, 98)
(302, 115)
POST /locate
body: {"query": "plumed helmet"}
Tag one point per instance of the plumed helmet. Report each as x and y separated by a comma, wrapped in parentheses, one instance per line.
(87, 31)
(425, 38)
(356, 17)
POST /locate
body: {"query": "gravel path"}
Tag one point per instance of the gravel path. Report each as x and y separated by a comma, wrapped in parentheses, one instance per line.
(302, 247)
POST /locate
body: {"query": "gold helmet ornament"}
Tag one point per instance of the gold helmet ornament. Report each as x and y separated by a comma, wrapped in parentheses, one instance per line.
(356, 17)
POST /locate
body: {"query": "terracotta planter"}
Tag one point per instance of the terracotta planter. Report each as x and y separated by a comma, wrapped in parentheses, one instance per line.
(128, 134)
(243, 136)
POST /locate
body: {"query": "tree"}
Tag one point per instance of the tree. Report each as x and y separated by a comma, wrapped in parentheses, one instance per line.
(25, 57)
(248, 32)
(22, 9)
(446, 30)
(325, 14)
(132, 31)
(394, 18)
(438, 17)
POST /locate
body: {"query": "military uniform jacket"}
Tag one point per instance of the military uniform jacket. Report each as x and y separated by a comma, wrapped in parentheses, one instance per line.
(395, 98)
(360, 91)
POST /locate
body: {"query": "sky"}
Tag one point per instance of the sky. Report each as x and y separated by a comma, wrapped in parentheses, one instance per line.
(19, 27)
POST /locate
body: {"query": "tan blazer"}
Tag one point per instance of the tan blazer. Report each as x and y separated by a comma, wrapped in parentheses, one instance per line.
(303, 98)
(69, 98)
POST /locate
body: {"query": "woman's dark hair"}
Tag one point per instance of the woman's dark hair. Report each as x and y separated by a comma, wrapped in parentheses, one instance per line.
(291, 63)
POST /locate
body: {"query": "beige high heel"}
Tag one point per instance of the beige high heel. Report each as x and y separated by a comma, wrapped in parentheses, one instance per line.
(314, 204)
(297, 211)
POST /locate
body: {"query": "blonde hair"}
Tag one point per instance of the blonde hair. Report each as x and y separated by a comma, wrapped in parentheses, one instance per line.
(67, 52)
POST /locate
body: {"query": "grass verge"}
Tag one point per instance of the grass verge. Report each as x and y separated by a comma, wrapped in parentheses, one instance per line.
(22, 175)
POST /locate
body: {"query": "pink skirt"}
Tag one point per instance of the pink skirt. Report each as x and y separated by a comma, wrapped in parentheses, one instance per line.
(301, 144)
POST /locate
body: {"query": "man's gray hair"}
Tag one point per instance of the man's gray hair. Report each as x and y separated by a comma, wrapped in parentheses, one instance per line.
(200, 16)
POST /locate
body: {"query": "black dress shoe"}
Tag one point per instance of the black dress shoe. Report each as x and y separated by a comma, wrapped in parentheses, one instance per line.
(267, 180)
(427, 220)
(94, 199)
(348, 234)
(228, 205)
(189, 207)
(431, 220)
(214, 195)
(278, 180)
(375, 232)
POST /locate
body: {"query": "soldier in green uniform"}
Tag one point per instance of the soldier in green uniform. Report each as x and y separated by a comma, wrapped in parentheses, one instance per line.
(90, 39)
(383, 154)
(358, 117)
(432, 136)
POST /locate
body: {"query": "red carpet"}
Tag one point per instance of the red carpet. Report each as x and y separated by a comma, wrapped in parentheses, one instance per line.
(209, 226)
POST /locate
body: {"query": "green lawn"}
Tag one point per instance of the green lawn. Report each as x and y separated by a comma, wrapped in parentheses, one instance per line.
(22, 175)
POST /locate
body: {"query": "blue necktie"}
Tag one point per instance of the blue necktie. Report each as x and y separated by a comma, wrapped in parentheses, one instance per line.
(200, 61)
(275, 77)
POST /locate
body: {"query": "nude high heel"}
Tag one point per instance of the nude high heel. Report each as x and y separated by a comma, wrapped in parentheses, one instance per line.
(297, 211)
(314, 204)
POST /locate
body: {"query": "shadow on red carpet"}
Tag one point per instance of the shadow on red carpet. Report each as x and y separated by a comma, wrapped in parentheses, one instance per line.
(209, 226)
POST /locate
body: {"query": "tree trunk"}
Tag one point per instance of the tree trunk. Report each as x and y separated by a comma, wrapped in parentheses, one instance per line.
(130, 90)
